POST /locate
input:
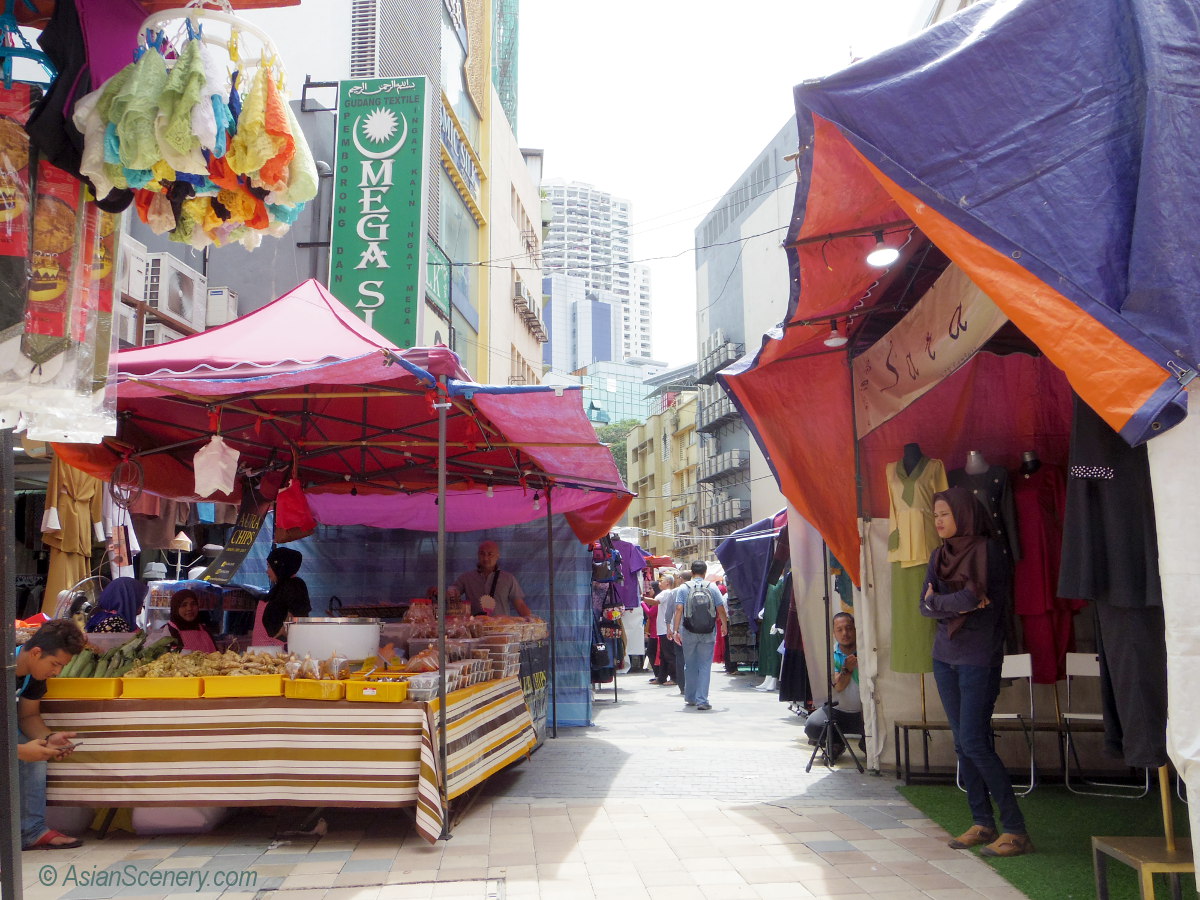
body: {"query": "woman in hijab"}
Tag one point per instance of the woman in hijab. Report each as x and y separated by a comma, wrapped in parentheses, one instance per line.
(967, 589)
(188, 625)
(118, 606)
(288, 596)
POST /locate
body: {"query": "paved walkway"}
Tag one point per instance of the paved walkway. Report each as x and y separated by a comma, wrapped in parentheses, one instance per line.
(658, 801)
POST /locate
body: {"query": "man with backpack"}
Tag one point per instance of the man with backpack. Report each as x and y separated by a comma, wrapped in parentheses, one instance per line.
(699, 612)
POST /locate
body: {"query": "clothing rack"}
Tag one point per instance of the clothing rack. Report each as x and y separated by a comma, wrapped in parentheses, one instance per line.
(193, 14)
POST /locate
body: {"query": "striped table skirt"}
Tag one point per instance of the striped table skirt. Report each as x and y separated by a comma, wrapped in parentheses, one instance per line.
(270, 751)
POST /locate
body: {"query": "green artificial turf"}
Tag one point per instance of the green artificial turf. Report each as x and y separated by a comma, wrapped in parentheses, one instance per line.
(1061, 825)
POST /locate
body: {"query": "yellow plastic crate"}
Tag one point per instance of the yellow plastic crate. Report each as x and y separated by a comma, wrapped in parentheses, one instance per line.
(83, 688)
(243, 686)
(377, 691)
(160, 688)
(311, 689)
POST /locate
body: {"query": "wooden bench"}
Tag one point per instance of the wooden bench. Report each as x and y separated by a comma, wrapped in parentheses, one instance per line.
(902, 728)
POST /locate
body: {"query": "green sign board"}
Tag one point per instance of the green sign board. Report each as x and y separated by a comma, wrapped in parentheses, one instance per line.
(377, 243)
(437, 278)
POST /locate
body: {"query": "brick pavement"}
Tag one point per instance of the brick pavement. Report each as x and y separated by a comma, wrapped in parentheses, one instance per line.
(657, 801)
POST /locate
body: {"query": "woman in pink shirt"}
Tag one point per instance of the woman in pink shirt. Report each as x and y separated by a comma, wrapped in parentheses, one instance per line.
(186, 624)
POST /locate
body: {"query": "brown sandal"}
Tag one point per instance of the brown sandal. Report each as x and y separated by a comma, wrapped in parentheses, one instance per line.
(973, 837)
(1009, 845)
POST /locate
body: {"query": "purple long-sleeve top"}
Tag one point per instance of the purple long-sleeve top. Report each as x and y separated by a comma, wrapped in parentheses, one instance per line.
(980, 640)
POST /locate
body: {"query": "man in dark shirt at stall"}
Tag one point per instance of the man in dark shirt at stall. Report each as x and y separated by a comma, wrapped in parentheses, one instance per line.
(42, 657)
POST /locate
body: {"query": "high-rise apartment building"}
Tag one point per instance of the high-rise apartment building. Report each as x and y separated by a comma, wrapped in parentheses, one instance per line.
(589, 239)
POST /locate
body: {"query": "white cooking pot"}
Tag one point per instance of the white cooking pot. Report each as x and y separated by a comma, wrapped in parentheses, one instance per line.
(322, 638)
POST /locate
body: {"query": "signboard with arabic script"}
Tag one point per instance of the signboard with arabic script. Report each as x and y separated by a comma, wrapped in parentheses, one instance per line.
(377, 242)
(935, 338)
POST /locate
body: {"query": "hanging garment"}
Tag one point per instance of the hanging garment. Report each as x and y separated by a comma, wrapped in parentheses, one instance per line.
(1047, 620)
(768, 640)
(1110, 556)
(1132, 646)
(911, 540)
(203, 169)
(215, 467)
(794, 686)
(74, 509)
(1110, 541)
(993, 490)
(633, 561)
(746, 555)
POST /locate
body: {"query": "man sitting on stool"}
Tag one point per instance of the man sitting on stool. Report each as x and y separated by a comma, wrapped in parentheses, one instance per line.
(847, 713)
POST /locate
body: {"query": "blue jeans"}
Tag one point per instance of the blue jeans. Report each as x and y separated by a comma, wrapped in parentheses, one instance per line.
(697, 665)
(33, 797)
(969, 696)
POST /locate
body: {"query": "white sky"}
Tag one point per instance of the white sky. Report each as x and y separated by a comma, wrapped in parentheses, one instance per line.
(661, 102)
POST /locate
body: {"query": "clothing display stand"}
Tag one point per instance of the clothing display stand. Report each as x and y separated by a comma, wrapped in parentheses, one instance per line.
(831, 732)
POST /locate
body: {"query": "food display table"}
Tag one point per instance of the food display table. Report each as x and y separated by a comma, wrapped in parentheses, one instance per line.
(272, 751)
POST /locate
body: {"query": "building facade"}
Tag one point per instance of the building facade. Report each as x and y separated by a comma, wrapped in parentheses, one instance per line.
(584, 324)
(741, 292)
(589, 239)
(619, 391)
(662, 458)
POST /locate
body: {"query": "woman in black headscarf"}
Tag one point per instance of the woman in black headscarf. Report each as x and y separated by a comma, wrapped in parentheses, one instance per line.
(288, 596)
(968, 590)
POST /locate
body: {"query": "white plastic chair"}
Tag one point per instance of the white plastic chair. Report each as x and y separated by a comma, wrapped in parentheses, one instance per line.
(1087, 665)
(1017, 665)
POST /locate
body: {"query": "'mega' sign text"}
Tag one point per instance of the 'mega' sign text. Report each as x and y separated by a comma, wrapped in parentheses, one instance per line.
(377, 242)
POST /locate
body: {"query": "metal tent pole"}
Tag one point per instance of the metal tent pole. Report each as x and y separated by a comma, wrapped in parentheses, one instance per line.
(10, 840)
(553, 617)
(442, 405)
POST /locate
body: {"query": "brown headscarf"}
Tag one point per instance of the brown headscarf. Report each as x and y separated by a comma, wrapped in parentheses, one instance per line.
(962, 560)
(177, 600)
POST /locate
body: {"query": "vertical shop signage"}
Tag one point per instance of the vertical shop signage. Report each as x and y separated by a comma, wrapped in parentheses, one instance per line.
(377, 253)
(251, 513)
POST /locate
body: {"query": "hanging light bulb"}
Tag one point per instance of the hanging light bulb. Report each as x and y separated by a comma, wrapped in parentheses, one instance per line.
(836, 338)
(490, 492)
(537, 502)
(882, 256)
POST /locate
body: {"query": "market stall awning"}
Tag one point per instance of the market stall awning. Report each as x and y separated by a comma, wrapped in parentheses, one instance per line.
(1050, 162)
(304, 379)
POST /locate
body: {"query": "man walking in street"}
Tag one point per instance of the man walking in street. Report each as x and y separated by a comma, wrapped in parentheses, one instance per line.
(699, 612)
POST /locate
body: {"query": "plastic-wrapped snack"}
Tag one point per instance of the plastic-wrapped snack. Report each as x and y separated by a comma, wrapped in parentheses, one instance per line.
(335, 667)
(292, 668)
(425, 661)
(310, 668)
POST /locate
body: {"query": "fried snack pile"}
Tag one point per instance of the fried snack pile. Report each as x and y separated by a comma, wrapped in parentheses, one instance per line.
(175, 665)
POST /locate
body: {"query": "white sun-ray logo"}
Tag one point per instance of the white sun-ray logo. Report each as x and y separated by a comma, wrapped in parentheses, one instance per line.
(380, 125)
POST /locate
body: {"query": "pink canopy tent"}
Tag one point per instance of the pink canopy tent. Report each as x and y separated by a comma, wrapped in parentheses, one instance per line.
(303, 382)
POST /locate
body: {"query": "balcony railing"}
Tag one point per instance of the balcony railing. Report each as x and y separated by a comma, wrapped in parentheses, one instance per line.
(723, 511)
(722, 464)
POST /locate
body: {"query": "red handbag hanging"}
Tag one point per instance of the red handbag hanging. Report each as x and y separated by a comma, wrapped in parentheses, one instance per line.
(293, 517)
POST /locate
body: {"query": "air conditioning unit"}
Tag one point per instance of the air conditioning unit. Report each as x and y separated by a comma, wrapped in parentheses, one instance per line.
(222, 306)
(126, 326)
(157, 333)
(131, 267)
(176, 289)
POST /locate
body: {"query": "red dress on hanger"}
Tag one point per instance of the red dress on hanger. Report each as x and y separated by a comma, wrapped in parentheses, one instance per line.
(1047, 620)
